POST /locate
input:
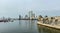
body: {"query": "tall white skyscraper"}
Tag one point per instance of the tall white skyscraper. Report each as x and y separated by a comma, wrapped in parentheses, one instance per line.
(31, 14)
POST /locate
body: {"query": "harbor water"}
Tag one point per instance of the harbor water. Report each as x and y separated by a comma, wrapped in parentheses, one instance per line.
(25, 26)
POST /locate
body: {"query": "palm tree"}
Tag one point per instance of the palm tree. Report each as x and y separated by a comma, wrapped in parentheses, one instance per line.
(52, 17)
(46, 19)
(40, 16)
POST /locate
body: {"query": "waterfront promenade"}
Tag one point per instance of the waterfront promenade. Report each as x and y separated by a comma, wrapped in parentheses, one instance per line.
(50, 22)
(47, 25)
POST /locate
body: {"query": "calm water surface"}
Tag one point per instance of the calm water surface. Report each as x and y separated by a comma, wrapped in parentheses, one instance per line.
(25, 26)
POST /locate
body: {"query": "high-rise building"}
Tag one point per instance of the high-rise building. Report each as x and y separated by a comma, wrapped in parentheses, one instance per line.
(19, 17)
(31, 15)
(26, 16)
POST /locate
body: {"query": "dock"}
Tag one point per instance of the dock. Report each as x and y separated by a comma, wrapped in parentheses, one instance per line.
(48, 25)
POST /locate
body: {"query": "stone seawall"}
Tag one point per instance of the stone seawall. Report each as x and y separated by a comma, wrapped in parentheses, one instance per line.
(48, 25)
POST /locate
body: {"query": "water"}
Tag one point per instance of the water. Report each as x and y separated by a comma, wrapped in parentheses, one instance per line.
(24, 26)
(43, 29)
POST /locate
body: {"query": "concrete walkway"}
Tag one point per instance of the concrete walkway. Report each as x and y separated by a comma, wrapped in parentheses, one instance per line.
(47, 25)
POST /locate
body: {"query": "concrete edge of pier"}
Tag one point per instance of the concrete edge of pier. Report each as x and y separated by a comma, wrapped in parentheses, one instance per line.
(50, 26)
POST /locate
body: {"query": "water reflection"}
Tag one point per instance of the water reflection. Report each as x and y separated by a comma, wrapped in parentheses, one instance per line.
(43, 29)
(28, 26)
(25, 26)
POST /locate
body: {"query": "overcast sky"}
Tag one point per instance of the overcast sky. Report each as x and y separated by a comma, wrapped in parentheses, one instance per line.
(12, 8)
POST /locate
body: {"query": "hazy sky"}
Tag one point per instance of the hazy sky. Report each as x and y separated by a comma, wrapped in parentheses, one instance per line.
(12, 8)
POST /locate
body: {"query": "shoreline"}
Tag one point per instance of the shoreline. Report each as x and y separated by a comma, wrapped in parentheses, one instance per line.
(50, 26)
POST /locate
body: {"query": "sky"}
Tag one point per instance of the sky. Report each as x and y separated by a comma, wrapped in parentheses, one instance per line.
(14, 8)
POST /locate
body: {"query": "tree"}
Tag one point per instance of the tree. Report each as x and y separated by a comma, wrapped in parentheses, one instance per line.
(46, 16)
(52, 17)
(40, 16)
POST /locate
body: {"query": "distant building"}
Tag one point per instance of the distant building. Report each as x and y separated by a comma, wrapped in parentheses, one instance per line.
(26, 16)
(19, 17)
(31, 15)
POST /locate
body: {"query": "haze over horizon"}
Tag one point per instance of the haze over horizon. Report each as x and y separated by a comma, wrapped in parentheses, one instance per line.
(12, 8)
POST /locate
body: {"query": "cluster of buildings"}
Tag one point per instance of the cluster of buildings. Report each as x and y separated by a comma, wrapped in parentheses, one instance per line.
(30, 15)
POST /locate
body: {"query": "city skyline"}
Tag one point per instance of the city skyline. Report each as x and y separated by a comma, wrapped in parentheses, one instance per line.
(13, 8)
